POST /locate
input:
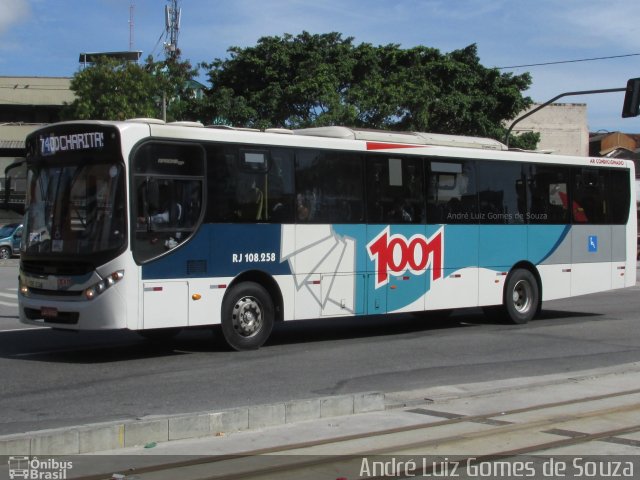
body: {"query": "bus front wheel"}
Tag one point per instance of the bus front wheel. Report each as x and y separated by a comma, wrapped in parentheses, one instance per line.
(521, 296)
(247, 316)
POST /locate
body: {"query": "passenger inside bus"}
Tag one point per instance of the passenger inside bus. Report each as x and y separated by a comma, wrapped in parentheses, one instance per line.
(170, 214)
(302, 208)
(157, 205)
(159, 210)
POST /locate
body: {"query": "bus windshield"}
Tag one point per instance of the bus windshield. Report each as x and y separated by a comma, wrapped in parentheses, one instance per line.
(75, 209)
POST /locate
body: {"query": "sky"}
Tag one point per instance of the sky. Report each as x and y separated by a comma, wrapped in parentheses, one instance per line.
(45, 37)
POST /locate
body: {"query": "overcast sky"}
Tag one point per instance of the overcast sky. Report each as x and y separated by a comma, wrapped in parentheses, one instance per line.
(45, 37)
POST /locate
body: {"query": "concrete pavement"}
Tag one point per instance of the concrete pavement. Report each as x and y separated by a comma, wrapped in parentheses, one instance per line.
(241, 430)
(151, 440)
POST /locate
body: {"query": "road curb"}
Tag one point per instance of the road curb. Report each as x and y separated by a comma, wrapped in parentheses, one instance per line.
(115, 435)
(446, 393)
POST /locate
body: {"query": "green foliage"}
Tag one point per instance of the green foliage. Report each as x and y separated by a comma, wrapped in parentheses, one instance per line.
(111, 90)
(284, 81)
(525, 141)
(174, 86)
(315, 80)
(115, 90)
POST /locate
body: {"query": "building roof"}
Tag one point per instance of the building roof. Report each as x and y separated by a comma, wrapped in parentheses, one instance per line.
(13, 135)
(130, 56)
(11, 144)
(35, 91)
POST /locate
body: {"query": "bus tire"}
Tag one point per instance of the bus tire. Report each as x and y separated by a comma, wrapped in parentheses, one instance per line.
(247, 316)
(521, 297)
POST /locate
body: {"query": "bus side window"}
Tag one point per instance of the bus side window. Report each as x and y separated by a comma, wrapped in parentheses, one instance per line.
(222, 184)
(548, 194)
(330, 186)
(192, 201)
(247, 185)
(280, 195)
(168, 198)
(451, 192)
(501, 192)
(395, 190)
(619, 196)
(589, 196)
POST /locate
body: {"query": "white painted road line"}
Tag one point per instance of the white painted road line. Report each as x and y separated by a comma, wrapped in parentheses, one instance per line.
(23, 329)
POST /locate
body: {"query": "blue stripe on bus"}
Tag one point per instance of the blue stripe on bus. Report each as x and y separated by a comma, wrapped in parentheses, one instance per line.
(227, 250)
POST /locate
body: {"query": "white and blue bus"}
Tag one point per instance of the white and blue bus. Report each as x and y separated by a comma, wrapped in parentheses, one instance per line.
(155, 227)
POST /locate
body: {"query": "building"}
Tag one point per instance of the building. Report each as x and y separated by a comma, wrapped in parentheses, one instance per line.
(616, 145)
(33, 99)
(25, 104)
(562, 127)
(12, 188)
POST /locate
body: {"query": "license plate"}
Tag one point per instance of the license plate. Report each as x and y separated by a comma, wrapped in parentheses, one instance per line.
(49, 312)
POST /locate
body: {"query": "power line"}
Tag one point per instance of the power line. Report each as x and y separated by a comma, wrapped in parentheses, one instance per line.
(570, 61)
(162, 35)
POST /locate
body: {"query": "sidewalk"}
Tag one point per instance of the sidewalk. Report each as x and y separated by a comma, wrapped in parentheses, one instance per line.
(467, 400)
(244, 430)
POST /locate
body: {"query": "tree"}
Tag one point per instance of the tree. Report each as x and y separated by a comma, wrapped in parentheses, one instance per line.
(116, 90)
(288, 81)
(111, 90)
(174, 89)
(313, 80)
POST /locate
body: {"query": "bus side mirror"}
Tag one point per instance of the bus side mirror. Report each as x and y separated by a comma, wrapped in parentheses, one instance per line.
(631, 106)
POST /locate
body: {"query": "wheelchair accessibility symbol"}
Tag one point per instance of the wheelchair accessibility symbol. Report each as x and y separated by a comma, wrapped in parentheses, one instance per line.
(593, 243)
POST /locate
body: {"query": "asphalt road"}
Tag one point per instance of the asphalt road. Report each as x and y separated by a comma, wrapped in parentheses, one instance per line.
(51, 379)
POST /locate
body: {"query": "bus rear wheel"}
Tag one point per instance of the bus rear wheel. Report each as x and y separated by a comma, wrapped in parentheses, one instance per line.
(247, 316)
(521, 297)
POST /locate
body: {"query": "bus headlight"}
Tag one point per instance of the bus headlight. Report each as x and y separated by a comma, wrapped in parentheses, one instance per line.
(94, 290)
(22, 287)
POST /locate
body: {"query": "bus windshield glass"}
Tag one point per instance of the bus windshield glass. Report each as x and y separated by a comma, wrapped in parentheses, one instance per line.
(75, 209)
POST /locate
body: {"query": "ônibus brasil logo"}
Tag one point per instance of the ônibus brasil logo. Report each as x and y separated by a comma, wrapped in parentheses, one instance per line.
(395, 254)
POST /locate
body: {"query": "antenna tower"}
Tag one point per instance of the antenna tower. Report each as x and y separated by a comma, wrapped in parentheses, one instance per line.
(172, 21)
(131, 8)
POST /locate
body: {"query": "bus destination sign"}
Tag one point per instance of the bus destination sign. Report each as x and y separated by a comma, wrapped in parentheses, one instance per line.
(52, 144)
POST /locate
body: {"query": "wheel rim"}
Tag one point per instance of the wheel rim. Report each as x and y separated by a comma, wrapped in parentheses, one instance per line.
(522, 295)
(247, 316)
(4, 253)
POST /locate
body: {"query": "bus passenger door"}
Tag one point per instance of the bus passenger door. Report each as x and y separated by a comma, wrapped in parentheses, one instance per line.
(165, 304)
